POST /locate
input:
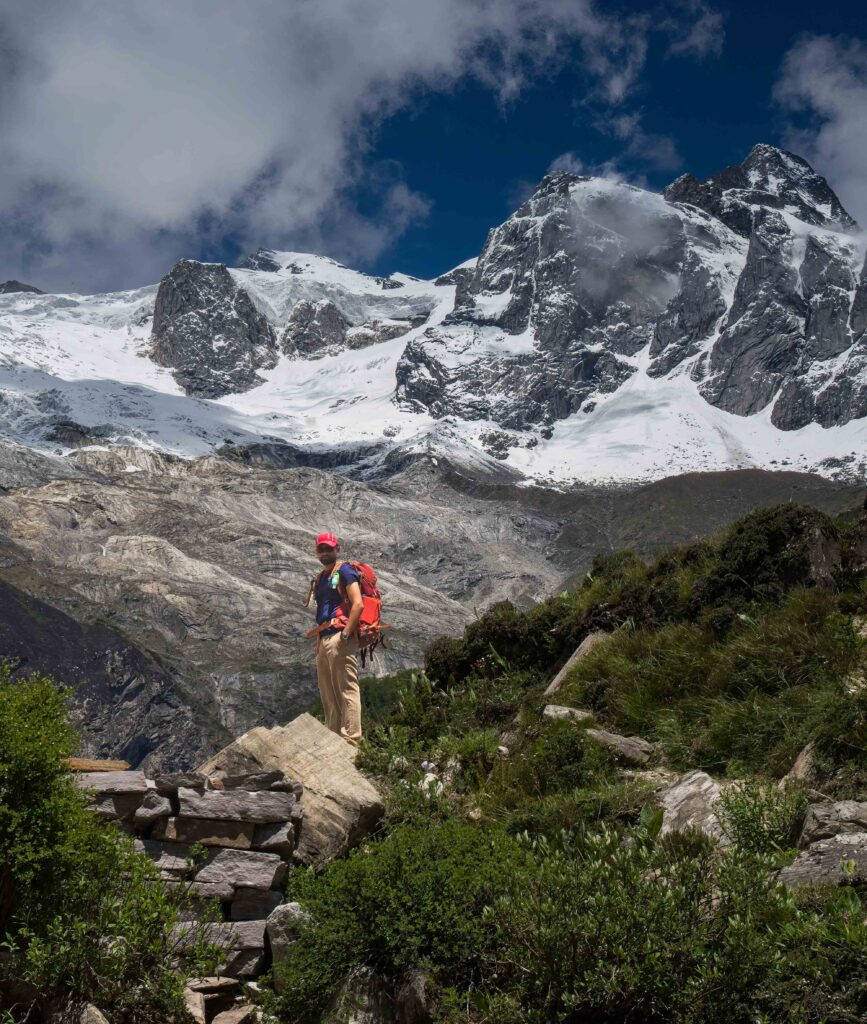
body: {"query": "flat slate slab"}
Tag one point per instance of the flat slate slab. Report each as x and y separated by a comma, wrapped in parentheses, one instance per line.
(340, 805)
(242, 869)
(113, 783)
(258, 808)
(236, 835)
(823, 862)
(581, 652)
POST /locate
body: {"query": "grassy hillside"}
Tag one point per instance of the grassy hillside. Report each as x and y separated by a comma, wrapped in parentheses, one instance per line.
(521, 868)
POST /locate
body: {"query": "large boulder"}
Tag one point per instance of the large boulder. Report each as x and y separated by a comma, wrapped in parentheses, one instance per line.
(832, 818)
(842, 858)
(688, 802)
(283, 927)
(341, 806)
(589, 642)
(363, 998)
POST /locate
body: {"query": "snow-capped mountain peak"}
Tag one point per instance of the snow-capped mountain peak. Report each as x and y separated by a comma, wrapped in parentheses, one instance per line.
(604, 332)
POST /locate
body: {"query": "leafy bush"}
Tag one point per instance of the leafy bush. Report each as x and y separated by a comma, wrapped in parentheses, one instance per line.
(614, 931)
(761, 819)
(90, 919)
(415, 899)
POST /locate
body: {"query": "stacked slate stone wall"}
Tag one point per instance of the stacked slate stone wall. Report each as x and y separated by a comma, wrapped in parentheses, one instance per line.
(249, 824)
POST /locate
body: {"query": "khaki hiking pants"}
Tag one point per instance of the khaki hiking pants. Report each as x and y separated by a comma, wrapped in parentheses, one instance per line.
(337, 675)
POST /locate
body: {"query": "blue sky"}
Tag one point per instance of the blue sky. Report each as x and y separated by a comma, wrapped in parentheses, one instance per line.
(390, 134)
(473, 160)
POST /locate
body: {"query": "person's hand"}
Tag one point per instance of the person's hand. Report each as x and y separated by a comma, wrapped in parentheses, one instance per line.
(346, 637)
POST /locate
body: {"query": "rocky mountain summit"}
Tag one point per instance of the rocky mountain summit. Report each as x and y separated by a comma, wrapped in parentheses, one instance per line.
(727, 317)
(752, 284)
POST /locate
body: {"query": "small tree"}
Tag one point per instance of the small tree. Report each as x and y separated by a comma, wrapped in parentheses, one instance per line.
(89, 918)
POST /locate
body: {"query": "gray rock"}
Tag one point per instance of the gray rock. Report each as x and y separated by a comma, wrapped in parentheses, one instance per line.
(172, 859)
(363, 998)
(828, 862)
(12, 286)
(253, 904)
(313, 328)
(803, 769)
(112, 783)
(831, 818)
(91, 1015)
(258, 808)
(283, 927)
(255, 781)
(242, 869)
(208, 331)
(245, 963)
(240, 934)
(152, 808)
(412, 998)
(231, 834)
(340, 806)
(556, 712)
(195, 1005)
(589, 642)
(245, 1013)
(688, 802)
(117, 808)
(169, 784)
(277, 838)
(631, 749)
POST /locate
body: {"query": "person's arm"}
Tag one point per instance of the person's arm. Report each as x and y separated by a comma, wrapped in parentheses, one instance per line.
(356, 606)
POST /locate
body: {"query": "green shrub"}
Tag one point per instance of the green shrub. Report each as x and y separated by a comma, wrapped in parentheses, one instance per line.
(761, 819)
(90, 919)
(765, 554)
(614, 931)
(415, 899)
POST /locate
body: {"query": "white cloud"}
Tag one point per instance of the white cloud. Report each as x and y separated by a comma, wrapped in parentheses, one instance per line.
(700, 34)
(133, 134)
(825, 79)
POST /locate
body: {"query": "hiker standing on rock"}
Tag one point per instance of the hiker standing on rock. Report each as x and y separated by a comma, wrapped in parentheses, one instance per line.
(337, 592)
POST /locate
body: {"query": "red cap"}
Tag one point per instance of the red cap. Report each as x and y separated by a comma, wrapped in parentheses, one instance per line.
(327, 538)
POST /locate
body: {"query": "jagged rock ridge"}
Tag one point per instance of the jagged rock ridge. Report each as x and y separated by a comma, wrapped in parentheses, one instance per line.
(753, 283)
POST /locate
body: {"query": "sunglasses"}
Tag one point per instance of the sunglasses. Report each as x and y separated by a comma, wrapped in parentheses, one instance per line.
(324, 547)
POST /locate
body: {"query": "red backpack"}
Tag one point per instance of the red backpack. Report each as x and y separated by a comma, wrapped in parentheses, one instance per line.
(370, 625)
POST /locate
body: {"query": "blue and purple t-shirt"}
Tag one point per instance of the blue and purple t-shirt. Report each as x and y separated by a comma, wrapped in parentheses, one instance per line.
(328, 593)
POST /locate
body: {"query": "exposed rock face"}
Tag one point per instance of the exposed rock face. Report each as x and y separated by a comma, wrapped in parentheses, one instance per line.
(340, 805)
(563, 295)
(12, 286)
(209, 332)
(312, 328)
(768, 178)
(832, 818)
(200, 570)
(688, 803)
(840, 859)
(751, 281)
(124, 701)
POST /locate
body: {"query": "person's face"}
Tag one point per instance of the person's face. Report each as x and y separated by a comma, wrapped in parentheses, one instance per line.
(326, 554)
